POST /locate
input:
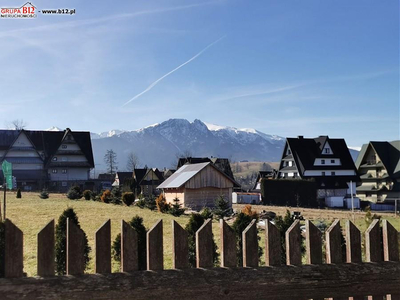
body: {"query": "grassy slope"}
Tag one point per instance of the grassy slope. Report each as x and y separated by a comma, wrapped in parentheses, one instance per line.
(31, 214)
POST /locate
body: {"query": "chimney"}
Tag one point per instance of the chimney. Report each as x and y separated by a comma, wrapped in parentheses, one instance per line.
(300, 137)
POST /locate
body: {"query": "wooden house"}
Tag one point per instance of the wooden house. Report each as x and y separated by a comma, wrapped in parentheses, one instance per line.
(198, 186)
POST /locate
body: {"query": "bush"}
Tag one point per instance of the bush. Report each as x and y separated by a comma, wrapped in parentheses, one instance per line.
(150, 202)
(222, 208)
(141, 203)
(137, 224)
(206, 213)
(116, 196)
(241, 222)
(106, 197)
(74, 193)
(162, 205)
(176, 209)
(128, 198)
(44, 194)
(195, 222)
(87, 194)
(61, 241)
(249, 212)
(19, 194)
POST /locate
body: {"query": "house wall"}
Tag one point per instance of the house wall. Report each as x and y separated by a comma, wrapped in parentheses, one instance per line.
(72, 174)
(197, 199)
(209, 177)
(328, 162)
(171, 194)
(328, 172)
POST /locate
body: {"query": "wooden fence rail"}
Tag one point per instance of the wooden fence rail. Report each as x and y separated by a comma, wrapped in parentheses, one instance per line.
(344, 276)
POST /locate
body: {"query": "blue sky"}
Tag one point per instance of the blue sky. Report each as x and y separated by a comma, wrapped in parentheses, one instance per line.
(282, 67)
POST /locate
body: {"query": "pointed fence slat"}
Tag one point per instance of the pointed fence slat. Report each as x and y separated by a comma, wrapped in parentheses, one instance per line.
(313, 244)
(373, 251)
(204, 245)
(103, 248)
(250, 245)
(393, 297)
(180, 247)
(45, 250)
(293, 244)
(75, 249)
(13, 251)
(333, 243)
(129, 248)
(353, 243)
(273, 246)
(155, 248)
(228, 245)
(390, 242)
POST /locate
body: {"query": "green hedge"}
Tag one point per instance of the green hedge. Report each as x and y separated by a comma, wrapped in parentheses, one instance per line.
(289, 192)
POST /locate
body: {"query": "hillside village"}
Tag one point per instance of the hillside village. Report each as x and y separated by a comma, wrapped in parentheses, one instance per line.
(56, 161)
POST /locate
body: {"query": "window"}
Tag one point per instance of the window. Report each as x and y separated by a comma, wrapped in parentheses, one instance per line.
(322, 161)
(327, 150)
(323, 173)
(64, 158)
(333, 173)
(64, 183)
(289, 152)
(54, 171)
(295, 175)
(332, 161)
(54, 158)
(64, 146)
(64, 171)
(290, 163)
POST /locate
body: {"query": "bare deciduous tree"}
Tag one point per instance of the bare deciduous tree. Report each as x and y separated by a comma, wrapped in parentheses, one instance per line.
(110, 158)
(133, 161)
(17, 124)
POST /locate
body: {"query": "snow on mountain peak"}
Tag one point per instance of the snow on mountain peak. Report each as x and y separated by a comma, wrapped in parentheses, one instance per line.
(53, 128)
(213, 127)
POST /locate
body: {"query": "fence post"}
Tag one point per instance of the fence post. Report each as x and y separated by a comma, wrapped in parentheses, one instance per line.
(180, 247)
(353, 243)
(273, 246)
(129, 248)
(228, 246)
(75, 249)
(155, 249)
(390, 248)
(293, 244)
(250, 245)
(45, 250)
(314, 244)
(103, 248)
(334, 243)
(373, 251)
(13, 252)
(204, 245)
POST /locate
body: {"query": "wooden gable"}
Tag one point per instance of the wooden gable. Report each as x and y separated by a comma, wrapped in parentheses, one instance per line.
(209, 177)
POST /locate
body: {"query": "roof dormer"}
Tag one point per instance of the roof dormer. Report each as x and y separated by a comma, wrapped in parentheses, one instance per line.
(327, 150)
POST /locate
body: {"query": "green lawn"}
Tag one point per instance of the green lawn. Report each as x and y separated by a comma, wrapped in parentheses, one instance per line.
(31, 214)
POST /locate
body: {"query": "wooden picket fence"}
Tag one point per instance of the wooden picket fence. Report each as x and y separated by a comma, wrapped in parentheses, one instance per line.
(376, 278)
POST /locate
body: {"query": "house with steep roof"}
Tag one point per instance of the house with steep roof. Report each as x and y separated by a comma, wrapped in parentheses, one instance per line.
(198, 186)
(48, 159)
(221, 163)
(120, 178)
(378, 164)
(147, 179)
(325, 160)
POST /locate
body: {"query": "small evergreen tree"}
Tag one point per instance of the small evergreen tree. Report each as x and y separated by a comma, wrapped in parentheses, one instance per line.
(141, 203)
(194, 224)
(150, 202)
(74, 193)
(176, 209)
(19, 194)
(137, 224)
(222, 208)
(61, 241)
(206, 213)
(116, 195)
(87, 194)
(283, 225)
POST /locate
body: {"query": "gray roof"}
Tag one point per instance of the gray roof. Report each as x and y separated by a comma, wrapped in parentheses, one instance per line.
(182, 175)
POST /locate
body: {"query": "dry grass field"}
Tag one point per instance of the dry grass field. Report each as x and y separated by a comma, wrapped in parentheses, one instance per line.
(31, 214)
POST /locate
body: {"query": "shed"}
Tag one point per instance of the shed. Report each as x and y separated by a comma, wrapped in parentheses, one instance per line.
(198, 186)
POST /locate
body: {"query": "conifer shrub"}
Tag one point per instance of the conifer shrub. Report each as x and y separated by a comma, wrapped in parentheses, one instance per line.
(176, 210)
(44, 195)
(128, 198)
(116, 194)
(87, 194)
(74, 193)
(207, 213)
(222, 208)
(61, 241)
(241, 222)
(106, 197)
(141, 203)
(150, 202)
(194, 224)
(19, 194)
(162, 205)
(137, 225)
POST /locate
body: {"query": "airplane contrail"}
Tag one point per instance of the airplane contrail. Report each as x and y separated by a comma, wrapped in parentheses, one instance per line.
(176, 69)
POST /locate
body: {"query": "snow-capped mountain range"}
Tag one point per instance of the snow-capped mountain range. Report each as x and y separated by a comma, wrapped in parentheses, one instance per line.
(158, 145)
